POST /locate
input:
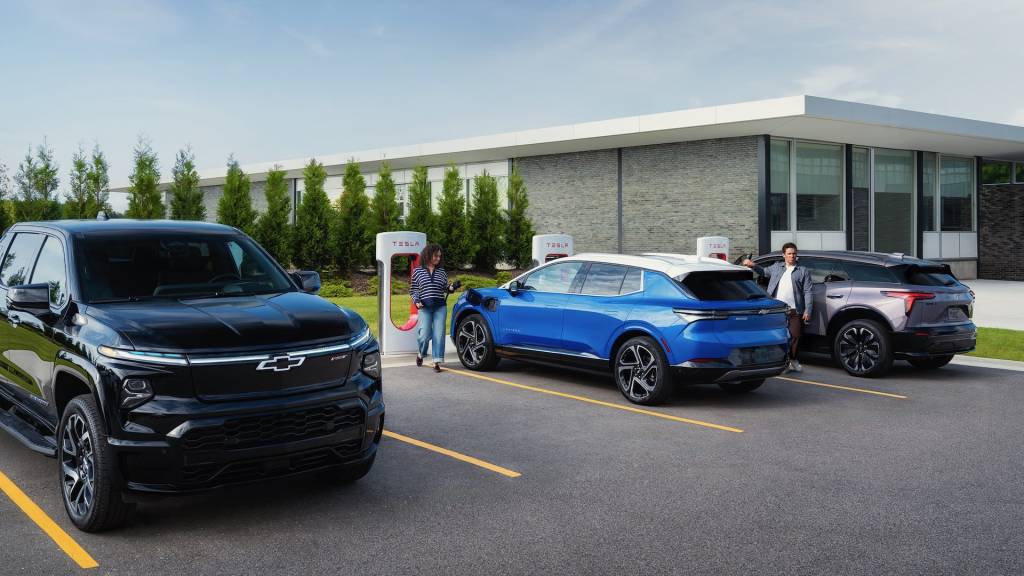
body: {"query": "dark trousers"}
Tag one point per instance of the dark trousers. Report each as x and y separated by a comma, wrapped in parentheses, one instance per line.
(796, 329)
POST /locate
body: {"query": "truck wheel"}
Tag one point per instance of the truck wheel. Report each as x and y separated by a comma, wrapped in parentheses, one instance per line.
(930, 363)
(741, 387)
(90, 482)
(641, 371)
(863, 348)
(474, 343)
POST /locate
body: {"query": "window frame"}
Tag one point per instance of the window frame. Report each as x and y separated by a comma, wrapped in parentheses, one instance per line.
(626, 267)
(522, 280)
(872, 230)
(794, 193)
(974, 193)
(8, 240)
(1010, 176)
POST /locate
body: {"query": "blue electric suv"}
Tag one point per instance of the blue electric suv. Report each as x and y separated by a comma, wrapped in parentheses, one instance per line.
(652, 321)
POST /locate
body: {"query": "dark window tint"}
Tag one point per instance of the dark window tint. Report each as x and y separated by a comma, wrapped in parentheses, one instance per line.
(633, 281)
(723, 286)
(859, 272)
(818, 267)
(553, 278)
(175, 265)
(50, 270)
(21, 256)
(928, 276)
(996, 172)
(603, 280)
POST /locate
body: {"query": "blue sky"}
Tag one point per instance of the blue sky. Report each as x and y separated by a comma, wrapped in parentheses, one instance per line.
(276, 80)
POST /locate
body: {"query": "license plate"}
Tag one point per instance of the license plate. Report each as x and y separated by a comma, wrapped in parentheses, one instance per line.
(956, 314)
(757, 355)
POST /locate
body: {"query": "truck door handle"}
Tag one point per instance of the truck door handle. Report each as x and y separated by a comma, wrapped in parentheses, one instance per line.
(834, 296)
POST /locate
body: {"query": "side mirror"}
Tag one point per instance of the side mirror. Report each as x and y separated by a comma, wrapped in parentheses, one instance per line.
(32, 298)
(308, 280)
(514, 287)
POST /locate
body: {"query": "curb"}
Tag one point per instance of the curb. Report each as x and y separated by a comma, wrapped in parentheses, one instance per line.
(988, 363)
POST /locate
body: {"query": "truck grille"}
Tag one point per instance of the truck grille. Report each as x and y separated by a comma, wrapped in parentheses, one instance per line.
(270, 429)
(247, 471)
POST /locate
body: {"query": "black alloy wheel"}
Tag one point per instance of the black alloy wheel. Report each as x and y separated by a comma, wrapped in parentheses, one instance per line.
(474, 343)
(641, 371)
(862, 347)
(89, 480)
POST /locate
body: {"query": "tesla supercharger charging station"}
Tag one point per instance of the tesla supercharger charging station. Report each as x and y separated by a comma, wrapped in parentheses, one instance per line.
(548, 247)
(390, 245)
(713, 247)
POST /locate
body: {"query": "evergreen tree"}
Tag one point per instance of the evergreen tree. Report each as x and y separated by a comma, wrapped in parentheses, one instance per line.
(313, 221)
(420, 217)
(98, 184)
(235, 205)
(186, 197)
(5, 188)
(486, 224)
(77, 205)
(384, 206)
(350, 235)
(144, 198)
(519, 230)
(37, 183)
(452, 228)
(273, 230)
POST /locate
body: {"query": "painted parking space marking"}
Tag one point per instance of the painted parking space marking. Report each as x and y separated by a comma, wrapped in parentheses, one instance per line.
(55, 532)
(452, 454)
(597, 402)
(838, 387)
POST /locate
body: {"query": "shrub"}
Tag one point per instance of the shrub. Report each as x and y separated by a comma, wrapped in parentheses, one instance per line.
(502, 276)
(335, 289)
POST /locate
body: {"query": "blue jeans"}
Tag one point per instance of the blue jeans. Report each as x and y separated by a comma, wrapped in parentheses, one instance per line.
(430, 327)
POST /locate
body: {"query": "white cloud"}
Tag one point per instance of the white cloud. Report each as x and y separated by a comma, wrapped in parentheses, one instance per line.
(310, 42)
(845, 83)
(1017, 117)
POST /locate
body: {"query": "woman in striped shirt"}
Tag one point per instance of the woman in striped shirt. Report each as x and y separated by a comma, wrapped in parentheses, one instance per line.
(430, 289)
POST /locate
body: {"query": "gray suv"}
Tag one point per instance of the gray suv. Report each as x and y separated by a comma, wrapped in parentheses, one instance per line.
(871, 309)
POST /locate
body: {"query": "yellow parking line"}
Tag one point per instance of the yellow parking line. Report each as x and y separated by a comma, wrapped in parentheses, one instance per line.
(598, 402)
(453, 454)
(59, 536)
(850, 388)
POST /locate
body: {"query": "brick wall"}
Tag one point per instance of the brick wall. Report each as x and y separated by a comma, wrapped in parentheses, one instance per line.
(674, 193)
(1001, 232)
(575, 194)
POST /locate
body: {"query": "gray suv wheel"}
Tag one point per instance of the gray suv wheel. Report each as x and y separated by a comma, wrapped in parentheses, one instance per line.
(863, 348)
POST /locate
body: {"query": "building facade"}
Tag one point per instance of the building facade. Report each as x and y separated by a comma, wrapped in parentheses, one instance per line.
(823, 173)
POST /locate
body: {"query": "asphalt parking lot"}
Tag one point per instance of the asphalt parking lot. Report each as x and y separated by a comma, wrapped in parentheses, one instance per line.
(917, 473)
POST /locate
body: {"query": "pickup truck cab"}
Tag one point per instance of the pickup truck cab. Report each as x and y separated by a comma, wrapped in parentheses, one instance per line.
(158, 356)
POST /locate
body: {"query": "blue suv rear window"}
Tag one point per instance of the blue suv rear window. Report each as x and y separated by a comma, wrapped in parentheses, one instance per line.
(737, 285)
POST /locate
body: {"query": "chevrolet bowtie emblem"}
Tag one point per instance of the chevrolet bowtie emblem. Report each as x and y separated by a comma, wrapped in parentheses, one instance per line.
(281, 363)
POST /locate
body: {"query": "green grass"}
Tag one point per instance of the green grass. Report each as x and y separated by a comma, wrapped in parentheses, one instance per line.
(1000, 343)
(366, 306)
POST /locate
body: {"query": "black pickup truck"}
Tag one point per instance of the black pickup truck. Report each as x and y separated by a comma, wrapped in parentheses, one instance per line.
(156, 356)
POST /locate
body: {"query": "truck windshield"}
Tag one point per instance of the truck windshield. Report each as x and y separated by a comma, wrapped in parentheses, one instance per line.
(115, 268)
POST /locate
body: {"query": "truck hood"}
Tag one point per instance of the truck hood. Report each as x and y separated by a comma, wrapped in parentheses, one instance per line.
(227, 323)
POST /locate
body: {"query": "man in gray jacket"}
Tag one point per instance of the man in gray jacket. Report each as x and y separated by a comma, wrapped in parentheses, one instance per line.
(791, 283)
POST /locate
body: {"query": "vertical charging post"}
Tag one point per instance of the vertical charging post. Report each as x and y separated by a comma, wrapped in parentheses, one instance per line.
(396, 338)
(548, 247)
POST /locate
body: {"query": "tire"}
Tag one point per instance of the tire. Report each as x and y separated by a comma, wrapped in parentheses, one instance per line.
(89, 479)
(931, 363)
(474, 343)
(652, 384)
(863, 348)
(741, 387)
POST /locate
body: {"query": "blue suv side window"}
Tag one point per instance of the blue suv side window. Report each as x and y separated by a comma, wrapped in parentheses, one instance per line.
(604, 280)
(554, 278)
(633, 282)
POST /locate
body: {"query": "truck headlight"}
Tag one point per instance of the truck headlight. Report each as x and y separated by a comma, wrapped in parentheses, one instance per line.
(135, 392)
(370, 364)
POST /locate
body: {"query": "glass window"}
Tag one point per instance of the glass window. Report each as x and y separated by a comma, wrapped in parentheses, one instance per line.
(894, 201)
(928, 203)
(21, 256)
(818, 268)
(175, 266)
(860, 272)
(779, 203)
(819, 186)
(633, 281)
(861, 168)
(996, 172)
(553, 278)
(956, 181)
(603, 280)
(722, 286)
(1020, 173)
(50, 269)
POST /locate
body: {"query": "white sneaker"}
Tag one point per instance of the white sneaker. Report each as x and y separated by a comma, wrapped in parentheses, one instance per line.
(794, 366)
